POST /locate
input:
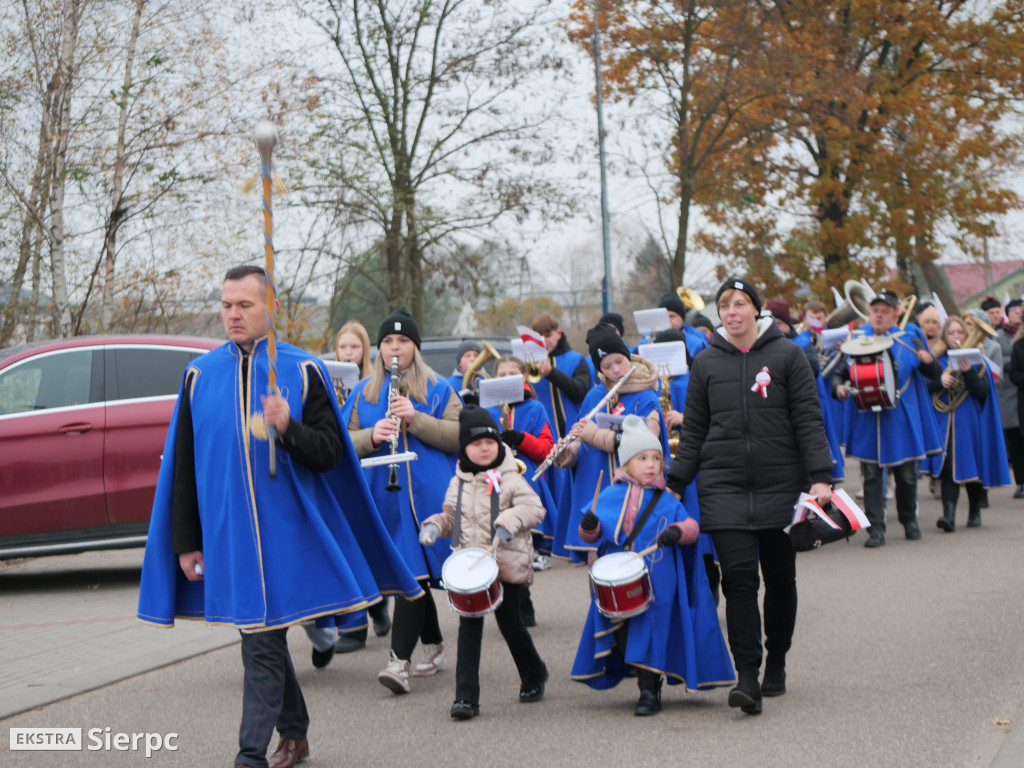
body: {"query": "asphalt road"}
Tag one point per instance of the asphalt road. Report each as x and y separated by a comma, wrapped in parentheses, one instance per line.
(910, 655)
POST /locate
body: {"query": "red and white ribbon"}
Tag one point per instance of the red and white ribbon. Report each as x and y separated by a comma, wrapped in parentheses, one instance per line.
(761, 382)
(619, 409)
(493, 481)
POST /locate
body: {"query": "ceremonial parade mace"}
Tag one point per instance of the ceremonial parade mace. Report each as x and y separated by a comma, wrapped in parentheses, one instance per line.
(265, 136)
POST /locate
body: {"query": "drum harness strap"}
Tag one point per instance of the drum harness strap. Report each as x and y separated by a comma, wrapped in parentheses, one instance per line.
(628, 543)
(457, 525)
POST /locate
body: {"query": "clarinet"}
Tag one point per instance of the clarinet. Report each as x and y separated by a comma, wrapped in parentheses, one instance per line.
(393, 484)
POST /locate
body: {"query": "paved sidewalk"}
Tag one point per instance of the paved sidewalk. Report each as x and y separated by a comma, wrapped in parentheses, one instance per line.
(67, 625)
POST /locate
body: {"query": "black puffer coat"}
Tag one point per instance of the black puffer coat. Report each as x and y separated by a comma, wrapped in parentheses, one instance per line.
(755, 453)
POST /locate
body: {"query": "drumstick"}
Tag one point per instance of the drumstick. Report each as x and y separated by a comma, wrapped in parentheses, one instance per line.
(488, 551)
(645, 552)
(898, 341)
(597, 491)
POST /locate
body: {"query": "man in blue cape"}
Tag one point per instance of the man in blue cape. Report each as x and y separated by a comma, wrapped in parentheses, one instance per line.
(232, 545)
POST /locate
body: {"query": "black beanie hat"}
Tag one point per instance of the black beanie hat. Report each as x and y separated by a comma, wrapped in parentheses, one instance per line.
(615, 320)
(673, 303)
(602, 341)
(669, 334)
(476, 423)
(1013, 303)
(464, 347)
(740, 285)
(990, 302)
(399, 321)
(701, 321)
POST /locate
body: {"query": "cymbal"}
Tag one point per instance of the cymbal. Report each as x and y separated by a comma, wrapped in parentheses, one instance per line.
(866, 345)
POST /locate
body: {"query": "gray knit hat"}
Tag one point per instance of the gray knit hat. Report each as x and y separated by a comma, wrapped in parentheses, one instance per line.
(636, 437)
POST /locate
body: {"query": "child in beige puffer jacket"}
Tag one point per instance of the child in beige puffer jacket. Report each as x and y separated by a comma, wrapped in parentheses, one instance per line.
(489, 501)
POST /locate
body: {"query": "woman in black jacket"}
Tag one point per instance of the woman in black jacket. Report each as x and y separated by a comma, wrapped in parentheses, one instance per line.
(753, 429)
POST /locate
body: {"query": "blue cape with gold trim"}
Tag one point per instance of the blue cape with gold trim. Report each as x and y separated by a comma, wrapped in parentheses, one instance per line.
(276, 551)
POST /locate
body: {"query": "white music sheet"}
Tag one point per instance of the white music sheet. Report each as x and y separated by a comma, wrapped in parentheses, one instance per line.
(507, 389)
(833, 337)
(669, 353)
(971, 355)
(344, 374)
(609, 420)
(651, 320)
(528, 352)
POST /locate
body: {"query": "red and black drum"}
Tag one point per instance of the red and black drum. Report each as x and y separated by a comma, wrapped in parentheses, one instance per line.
(872, 372)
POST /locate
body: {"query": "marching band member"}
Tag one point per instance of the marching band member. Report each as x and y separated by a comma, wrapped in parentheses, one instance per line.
(465, 354)
(967, 413)
(930, 323)
(678, 636)
(422, 409)
(754, 439)
(594, 449)
(896, 438)
(566, 377)
(232, 545)
(488, 501)
(1008, 396)
(352, 345)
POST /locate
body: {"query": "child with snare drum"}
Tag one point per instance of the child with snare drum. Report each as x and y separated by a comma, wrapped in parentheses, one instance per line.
(489, 503)
(677, 635)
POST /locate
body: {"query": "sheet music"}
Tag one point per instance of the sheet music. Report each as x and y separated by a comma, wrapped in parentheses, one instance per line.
(609, 420)
(833, 337)
(669, 353)
(971, 355)
(651, 320)
(507, 389)
(528, 352)
(345, 375)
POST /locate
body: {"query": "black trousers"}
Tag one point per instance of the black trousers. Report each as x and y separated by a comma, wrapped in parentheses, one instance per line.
(532, 671)
(271, 697)
(951, 489)
(739, 553)
(414, 620)
(1015, 452)
(905, 477)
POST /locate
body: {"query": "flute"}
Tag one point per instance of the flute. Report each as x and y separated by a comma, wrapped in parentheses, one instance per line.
(570, 438)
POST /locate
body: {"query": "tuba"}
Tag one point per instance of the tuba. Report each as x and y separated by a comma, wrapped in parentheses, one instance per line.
(690, 298)
(858, 302)
(471, 378)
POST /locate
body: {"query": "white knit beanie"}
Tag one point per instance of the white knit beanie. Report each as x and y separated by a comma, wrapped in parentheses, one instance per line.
(636, 437)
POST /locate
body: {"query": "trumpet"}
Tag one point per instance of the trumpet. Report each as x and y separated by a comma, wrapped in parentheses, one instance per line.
(393, 484)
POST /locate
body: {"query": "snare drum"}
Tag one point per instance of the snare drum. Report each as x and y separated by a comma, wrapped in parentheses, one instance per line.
(874, 381)
(472, 584)
(621, 585)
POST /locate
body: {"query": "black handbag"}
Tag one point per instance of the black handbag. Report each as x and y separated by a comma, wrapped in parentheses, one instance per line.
(813, 532)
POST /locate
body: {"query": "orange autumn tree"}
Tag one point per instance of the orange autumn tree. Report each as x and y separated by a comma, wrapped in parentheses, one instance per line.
(893, 134)
(695, 78)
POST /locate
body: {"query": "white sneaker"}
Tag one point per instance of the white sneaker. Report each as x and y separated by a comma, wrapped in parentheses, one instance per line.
(395, 675)
(541, 562)
(433, 658)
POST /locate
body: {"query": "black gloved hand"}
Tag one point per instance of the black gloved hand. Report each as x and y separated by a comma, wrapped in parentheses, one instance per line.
(513, 437)
(589, 521)
(669, 537)
(469, 397)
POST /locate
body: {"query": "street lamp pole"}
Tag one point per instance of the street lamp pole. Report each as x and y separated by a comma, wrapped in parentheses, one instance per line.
(606, 284)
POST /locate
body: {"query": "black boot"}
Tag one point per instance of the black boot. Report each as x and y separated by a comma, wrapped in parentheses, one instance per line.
(774, 681)
(747, 693)
(948, 520)
(650, 693)
(1019, 493)
(974, 515)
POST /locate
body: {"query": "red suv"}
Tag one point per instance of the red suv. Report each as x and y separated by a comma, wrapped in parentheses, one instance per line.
(82, 427)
